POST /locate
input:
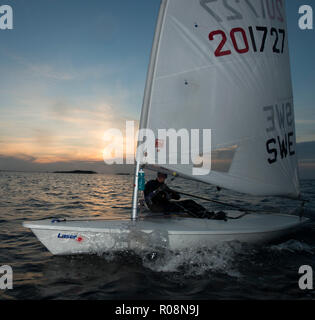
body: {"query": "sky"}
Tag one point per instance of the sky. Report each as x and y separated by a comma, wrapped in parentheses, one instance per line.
(72, 69)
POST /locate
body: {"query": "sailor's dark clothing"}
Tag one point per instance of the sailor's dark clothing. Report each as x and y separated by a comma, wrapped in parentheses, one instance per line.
(158, 198)
(157, 195)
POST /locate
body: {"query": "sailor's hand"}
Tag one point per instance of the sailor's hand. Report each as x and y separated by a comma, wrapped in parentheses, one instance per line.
(168, 196)
(162, 194)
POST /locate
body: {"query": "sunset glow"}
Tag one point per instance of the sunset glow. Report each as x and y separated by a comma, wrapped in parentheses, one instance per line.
(62, 86)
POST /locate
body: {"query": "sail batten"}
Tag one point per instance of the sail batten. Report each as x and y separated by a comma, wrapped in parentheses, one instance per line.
(225, 67)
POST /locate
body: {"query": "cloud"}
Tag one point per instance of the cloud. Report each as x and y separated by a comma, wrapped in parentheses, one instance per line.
(306, 151)
(56, 128)
(305, 126)
(63, 71)
(306, 121)
(25, 162)
(306, 156)
(38, 69)
(50, 72)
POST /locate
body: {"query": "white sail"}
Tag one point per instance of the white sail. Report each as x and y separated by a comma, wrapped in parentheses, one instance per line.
(224, 65)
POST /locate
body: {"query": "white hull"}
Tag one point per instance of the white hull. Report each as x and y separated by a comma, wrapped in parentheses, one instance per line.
(174, 233)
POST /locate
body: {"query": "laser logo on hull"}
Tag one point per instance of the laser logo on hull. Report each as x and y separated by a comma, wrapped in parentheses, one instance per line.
(70, 236)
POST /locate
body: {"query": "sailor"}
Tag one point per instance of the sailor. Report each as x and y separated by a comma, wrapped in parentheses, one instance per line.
(158, 197)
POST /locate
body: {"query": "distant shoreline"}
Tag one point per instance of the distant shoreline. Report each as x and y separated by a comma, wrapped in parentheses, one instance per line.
(77, 172)
(61, 171)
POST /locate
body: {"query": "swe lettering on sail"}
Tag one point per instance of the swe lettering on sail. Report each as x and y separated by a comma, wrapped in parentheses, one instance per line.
(280, 124)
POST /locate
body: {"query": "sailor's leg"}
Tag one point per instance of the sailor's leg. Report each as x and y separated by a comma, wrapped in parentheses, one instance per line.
(193, 207)
(172, 207)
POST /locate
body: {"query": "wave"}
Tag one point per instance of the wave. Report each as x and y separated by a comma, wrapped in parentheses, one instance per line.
(293, 246)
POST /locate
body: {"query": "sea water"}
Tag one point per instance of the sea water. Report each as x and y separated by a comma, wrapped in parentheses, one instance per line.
(228, 271)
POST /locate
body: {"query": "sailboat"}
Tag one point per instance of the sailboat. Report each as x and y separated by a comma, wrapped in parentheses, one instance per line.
(214, 65)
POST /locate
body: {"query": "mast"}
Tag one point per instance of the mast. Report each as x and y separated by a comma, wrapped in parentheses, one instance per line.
(147, 97)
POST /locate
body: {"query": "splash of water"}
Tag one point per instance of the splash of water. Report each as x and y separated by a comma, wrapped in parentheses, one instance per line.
(293, 246)
(152, 251)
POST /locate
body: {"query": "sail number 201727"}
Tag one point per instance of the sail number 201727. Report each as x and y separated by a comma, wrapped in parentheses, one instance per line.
(248, 38)
(241, 43)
